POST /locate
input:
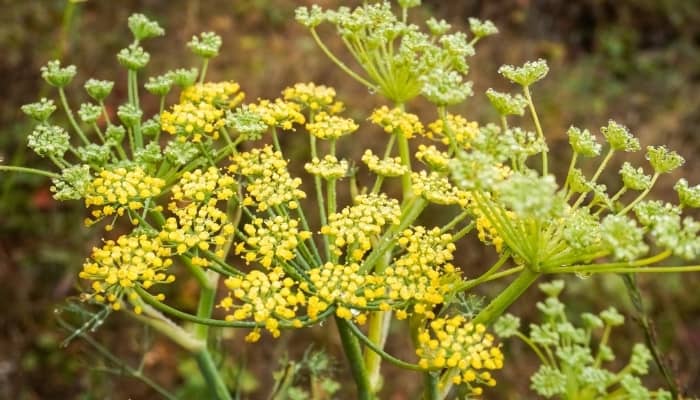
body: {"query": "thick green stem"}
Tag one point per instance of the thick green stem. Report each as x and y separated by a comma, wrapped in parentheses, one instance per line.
(498, 305)
(353, 352)
(217, 387)
(205, 307)
(431, 391)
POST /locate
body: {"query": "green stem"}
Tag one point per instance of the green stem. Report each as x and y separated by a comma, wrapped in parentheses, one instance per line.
(28, 170)
(431, 391)
(207, 297)
(538, 127)
(71, 118)
(320, 198)
(217, 387)
(339, 63)
(534, 348)
(378, 350)
(498, 305)
(353, 352)
(405, 154)
(641, 195)
(205, 64)
(409, 214)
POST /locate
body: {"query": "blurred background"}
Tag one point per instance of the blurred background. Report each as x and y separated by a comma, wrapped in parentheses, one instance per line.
(637, 61)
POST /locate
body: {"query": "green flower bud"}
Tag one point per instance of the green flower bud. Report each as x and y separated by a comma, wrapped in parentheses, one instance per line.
(583, 142)
(596, 378)
(529, 195)
(129, 114)
(663, 160)
(310, 18)
(144, 28)
(39, 111)
(445, 88)
(682, 239)
(506, 326)
(482, 28)
(151, 127)
(548, 382)
(544, 335)
(436, 27)
(648, 212)
(89, 113)
(180, 153)
(149, 154)
(98, 90)
(688, 196)
(133, 57)
(49, 140)
(552, 307)
(591, 321)
(578, 182)
(114, 134)
(619, 137)
(581, 230)
(606, 353)
(246, 122)
(639, 361)
(507, 104)
(529, 73)
(623, 237)
(612, 317)
(634, 179)
(72, 184)
(184, 77)
(553, 288)
(57, 76)
(159, 85)
(94, 154)
(634, 388)
(207, 45)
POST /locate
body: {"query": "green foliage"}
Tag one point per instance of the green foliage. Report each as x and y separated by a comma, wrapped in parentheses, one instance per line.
(572, 363)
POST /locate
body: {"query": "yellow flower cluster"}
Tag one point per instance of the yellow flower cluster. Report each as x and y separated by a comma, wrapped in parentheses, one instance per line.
(224, 95)
(315, 97)
(331, 127)
(343, 284)
(271, 240)
(269, 182)
(197, 226)
(266, 297)
(118, 266)
(486, 232)
(118, 190)
(280, 113)
(429, 155)
(356, 225)
(423, 275)
(200, 185)
(193, 121)
(435, 188)
(328, 168)
(387, 167)
(462, 131)
(397, 121)
(463, 348)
